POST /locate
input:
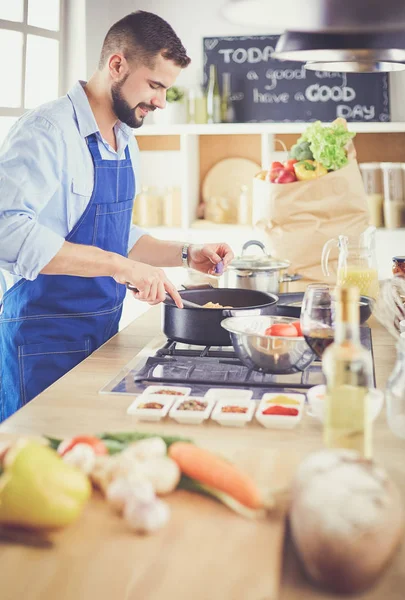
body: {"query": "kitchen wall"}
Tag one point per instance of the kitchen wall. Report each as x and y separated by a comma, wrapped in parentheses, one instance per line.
(192, 21)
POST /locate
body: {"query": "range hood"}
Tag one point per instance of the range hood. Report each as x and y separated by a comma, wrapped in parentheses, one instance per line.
(331, 35)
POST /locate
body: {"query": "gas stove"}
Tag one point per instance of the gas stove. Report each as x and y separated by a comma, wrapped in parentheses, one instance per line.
(201, 368)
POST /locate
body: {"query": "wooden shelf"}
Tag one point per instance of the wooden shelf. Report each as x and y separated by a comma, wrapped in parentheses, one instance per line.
(259, 128)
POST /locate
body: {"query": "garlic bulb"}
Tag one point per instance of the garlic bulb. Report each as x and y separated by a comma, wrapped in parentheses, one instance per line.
(147, 448)
(121, 490)
(81, 456)
(146, 517)
(162, 472)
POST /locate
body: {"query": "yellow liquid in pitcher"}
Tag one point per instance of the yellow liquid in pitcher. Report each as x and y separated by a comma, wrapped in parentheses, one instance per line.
(366, 280)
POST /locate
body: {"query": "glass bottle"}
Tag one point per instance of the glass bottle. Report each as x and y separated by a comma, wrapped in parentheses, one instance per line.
(227, 110)
(347, 368)
(213, 97)
(395, 393)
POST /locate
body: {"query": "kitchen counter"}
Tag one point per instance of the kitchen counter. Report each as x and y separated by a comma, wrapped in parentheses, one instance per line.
(74, 406)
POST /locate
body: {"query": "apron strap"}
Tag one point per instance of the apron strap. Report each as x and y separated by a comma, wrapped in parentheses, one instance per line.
(93, 146)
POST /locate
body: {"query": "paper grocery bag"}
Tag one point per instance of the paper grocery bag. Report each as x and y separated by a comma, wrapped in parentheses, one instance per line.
(298, 218)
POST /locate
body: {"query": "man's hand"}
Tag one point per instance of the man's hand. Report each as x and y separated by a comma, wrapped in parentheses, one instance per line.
(204, 258)
(151, 282)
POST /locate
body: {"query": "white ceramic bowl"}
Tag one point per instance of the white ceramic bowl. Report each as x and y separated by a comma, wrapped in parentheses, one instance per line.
(280, 421)
(316, 402)
(231, 419)
(191, 417)
(150, 414)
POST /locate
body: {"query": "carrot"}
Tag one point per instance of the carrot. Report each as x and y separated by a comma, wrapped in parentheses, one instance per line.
(215, 472)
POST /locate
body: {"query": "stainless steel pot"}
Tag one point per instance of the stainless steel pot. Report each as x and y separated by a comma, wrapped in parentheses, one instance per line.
(262, 273)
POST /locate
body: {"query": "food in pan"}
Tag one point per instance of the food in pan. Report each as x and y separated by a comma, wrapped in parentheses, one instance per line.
(191, 404)
(214, 305)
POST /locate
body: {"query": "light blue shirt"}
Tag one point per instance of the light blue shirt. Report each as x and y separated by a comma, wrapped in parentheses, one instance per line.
(47, 178)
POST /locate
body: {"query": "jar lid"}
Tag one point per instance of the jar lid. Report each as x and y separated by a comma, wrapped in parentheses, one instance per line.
(399, 259)
(258, 263)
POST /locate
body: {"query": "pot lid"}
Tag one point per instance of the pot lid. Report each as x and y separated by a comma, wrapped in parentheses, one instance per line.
(257, 262)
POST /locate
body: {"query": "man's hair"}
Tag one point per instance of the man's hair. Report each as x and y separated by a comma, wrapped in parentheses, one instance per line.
(142, 36)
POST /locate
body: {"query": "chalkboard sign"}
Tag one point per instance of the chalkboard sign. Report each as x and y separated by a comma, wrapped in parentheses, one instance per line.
(268, 90)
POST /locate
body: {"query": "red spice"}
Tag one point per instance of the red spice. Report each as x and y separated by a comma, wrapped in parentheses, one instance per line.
(281, 410)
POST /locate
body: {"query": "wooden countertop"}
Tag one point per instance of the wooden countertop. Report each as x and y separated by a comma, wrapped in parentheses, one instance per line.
(73, 405)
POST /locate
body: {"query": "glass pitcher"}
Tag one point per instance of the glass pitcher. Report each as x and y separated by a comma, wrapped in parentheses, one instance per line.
(357, 262)
(395, 393)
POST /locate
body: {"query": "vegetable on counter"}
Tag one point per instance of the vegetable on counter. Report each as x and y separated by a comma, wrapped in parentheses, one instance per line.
(216, 474)
(38, 490)
(95, 443)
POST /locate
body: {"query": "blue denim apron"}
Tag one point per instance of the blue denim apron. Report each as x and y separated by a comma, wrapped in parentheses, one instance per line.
(51, 324)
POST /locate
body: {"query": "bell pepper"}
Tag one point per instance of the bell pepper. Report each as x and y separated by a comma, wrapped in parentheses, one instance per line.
(306, 170)
(38, 490)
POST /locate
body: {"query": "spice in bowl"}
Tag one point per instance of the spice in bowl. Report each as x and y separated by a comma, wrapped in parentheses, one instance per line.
(153, 405)
(282, 399)
(230, 408)
(285, 411)
(192, 404)
(168, 392)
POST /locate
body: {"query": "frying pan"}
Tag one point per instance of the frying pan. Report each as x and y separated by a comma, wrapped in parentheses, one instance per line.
(202, 326)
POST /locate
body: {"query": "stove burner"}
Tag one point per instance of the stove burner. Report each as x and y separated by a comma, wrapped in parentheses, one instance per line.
(201, 368)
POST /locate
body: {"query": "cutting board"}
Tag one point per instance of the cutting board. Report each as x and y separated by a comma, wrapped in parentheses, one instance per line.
(206, 552)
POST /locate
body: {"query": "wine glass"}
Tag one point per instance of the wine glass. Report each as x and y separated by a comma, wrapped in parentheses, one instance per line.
(317, 317)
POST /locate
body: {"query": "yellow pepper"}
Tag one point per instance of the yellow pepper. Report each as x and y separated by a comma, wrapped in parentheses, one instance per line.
(306, 170)
(38, 489)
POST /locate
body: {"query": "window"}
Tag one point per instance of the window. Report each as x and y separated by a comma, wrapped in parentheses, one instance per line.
(30, 35)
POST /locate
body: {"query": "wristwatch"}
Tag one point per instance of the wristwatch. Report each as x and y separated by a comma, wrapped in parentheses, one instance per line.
(184, 255)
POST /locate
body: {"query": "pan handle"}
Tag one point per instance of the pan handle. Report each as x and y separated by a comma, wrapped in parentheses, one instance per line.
(240, 312)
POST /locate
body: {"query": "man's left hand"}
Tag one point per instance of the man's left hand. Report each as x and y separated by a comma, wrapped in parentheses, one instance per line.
(205, 258)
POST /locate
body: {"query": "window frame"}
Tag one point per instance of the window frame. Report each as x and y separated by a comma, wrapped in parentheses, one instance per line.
(26, 29)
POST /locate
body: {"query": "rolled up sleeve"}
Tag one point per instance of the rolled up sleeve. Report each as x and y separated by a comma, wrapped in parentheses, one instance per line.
(31, 167)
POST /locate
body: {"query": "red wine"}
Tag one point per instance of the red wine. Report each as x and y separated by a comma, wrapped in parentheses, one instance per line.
(319, 339)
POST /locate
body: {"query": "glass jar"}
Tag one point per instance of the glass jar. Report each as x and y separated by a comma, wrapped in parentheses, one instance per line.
(373, 185)
(395, 393)
(398, 266)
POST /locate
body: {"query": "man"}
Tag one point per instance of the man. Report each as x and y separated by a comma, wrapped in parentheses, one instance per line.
(67, 184)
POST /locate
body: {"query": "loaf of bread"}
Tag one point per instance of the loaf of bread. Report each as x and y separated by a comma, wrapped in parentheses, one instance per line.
(346, 519)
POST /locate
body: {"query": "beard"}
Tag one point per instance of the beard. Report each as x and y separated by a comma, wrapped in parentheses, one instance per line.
(123, 110)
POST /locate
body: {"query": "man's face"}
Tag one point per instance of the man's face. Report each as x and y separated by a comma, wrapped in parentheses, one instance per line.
(141, 90)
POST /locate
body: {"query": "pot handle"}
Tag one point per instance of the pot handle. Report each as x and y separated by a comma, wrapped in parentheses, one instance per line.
(247, 245)
(288, 278)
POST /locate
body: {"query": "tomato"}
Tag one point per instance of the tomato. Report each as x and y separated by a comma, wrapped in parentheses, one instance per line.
(289, 164)
(276, 165)
(273, 174)
(98, 445)
(297, 326)
(282, 330)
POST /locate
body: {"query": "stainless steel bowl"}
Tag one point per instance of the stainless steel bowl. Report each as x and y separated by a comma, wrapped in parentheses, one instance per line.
(270, 354)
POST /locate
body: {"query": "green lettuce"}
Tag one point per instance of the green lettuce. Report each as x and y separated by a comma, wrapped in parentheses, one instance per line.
(328, 144)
